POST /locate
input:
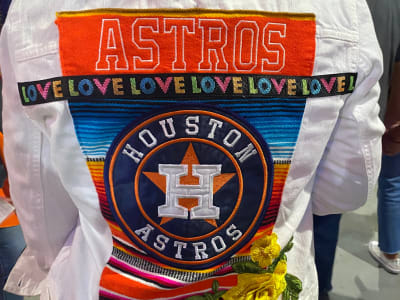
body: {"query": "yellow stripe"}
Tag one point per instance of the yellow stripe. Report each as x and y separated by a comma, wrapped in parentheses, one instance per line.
(95, 164)
(114, 226)
(194, 12)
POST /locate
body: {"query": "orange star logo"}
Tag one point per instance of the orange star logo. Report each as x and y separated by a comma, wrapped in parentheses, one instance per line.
(190, 158)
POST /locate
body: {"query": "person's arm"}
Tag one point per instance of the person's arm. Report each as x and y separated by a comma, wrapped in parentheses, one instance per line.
(47, 217)
(350, 165)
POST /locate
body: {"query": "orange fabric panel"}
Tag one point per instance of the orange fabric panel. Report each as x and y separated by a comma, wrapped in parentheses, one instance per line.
(162, 41)
(194, 41)
(123, 285)
(11, 221)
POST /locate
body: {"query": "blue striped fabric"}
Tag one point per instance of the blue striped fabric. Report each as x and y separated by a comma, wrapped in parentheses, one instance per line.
(277, 120)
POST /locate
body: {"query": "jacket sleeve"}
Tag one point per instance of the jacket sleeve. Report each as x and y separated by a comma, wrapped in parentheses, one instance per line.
(46, 223)
(350, 166)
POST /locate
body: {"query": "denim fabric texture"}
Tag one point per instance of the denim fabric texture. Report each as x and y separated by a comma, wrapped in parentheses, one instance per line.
(11, 246)
(389, 204)
(326, 233)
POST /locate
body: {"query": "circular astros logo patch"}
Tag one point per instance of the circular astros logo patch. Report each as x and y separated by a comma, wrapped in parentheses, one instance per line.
(189, 185)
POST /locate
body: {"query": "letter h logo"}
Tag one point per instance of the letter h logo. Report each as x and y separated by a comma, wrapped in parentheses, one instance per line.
(205, 208)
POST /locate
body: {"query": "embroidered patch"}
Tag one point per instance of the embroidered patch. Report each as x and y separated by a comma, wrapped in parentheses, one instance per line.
(124, 66)
(183, 86)
(189, 41)
(189, 186)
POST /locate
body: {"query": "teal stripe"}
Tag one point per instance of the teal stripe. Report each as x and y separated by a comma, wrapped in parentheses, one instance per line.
(97, 124)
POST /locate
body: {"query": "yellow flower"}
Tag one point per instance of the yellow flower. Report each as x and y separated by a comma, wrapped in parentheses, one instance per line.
(267, 286)
(264, 250)
(281, 268)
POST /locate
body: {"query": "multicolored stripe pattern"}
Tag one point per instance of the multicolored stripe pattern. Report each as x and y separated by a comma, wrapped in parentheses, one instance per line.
(277, 120)
(130, 273)
(96, 126)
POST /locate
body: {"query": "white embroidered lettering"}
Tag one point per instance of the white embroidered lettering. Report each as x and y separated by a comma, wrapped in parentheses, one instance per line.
(236, 136)
(171, 132)
(214, 123)
(161, 240)
(192, 127)
(245, 153)
(132, 153)
(144, 232)
(179, 245)
(200, 250)
(203, 192)
(218, 240)
(148, 143)
(233, 232)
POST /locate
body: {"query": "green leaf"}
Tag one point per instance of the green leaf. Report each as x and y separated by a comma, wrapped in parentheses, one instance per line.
(286, 294)
(197, 297)
(294, 284)
(248, 267)
(209, 296)
(218, 295)
(215, 286)
(289, 246)
(271, 267)
(293, 288)
(281, 256)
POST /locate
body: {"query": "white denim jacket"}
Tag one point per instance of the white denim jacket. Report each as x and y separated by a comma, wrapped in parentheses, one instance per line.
(333, 169)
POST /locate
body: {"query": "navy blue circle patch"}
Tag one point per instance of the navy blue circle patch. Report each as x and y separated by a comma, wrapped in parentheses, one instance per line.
(189, 185)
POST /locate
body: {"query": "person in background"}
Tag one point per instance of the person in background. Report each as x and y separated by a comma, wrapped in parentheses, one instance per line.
(4, 5)
(326, 234)
(386, 250)
(11, 238)
(385, 14)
